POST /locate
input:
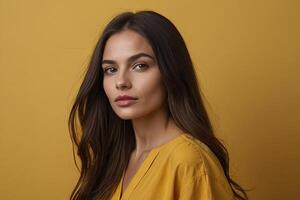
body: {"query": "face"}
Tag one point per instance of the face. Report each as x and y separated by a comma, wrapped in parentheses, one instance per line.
(130, 68)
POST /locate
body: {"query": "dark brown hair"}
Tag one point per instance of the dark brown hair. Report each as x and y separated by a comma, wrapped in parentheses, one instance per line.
(104, 141)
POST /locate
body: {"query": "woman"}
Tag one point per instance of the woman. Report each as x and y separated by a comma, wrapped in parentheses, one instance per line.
(144, 131)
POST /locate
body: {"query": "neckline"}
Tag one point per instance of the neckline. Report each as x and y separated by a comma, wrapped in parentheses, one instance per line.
(143, 168)
(167, 143)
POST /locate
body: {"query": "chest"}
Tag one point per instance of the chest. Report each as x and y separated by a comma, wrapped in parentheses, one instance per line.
(131, 170)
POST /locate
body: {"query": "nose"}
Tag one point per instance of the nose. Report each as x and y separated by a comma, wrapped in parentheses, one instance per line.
(122, 82)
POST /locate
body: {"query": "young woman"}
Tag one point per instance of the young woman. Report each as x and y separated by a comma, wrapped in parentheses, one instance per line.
(143, 130)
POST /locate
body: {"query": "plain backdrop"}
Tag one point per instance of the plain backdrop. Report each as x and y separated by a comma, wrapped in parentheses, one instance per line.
(246, 54)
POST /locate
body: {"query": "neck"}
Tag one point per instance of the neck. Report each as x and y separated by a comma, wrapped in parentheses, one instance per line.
(152, 131)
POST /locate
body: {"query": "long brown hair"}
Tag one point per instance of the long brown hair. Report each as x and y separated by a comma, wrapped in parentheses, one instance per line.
(104, 141)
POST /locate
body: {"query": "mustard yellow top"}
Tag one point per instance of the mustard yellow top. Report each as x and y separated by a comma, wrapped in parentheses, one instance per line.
(183, 168)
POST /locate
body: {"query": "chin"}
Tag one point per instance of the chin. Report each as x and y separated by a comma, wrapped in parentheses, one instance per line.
(128, 114)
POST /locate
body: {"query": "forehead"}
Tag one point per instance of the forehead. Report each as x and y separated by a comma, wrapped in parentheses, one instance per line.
(125, 44)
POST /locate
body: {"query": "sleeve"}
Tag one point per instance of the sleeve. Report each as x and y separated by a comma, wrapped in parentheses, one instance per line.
(204, 187)
(200, 176)
(198, 185)
(195, 188)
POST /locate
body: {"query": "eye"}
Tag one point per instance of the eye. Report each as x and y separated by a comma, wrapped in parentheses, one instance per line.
(106, 70)
(141, 66)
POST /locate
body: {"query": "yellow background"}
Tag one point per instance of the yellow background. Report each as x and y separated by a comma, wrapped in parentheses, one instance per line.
(247, 59)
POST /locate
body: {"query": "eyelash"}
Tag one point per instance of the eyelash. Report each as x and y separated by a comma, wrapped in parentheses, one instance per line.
(106, 69)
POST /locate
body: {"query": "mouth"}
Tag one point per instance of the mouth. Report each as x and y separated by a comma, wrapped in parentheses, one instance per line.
(126, 102)
(125, 97)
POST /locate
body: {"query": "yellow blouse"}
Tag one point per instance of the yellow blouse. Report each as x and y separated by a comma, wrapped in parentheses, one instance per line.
(183, 168)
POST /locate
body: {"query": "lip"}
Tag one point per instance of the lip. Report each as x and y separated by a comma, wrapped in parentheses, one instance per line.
(125, 97)
(126, 103)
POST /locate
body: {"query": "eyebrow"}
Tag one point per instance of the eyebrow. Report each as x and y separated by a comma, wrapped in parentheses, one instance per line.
(130, 59)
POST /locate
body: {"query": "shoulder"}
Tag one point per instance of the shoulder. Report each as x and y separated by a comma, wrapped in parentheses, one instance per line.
(194, 157)
(196, 170)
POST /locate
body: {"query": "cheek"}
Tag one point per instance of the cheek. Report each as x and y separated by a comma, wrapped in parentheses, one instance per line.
(107, 88)
(152, 90)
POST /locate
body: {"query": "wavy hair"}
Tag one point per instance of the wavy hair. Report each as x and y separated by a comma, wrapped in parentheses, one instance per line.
(104, 141)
